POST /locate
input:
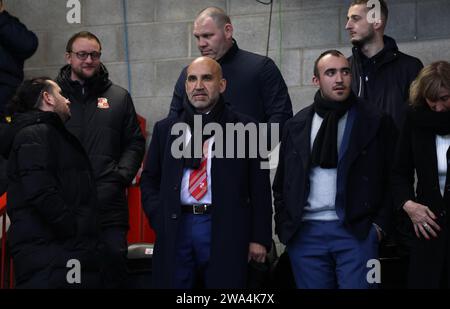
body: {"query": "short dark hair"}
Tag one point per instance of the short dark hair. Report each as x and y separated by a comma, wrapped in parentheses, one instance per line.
(218, 15)
(383, 6)
(29, 95)
(333, 52)
(428, 83)
(82, 34)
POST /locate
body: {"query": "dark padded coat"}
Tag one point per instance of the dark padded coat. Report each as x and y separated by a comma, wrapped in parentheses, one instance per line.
(17, 43)
(111, 137)
(51, 202)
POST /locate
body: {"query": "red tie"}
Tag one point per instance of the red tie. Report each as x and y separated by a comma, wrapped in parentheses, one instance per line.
(198, 184)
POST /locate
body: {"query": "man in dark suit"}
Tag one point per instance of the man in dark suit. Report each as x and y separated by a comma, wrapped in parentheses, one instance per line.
(211, 214)
(332, 201)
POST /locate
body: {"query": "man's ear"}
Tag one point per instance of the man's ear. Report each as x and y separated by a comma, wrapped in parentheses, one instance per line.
(228, 29)
(47, 98)
(378, 25)
(316, 81)
(222, 85)
(67, 56)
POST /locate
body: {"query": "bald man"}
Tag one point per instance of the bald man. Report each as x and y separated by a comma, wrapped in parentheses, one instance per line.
(211, 215)
(256, 87)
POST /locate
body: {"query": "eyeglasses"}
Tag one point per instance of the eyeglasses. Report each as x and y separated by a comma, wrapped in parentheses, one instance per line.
(84, 55)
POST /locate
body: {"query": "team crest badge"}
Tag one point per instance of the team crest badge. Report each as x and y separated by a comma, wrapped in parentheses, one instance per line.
(102, 103)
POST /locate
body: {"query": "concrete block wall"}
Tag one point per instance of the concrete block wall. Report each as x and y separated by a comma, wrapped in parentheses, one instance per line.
(161, 43)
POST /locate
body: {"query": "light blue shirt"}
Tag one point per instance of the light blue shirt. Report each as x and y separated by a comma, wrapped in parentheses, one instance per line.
(322, 195)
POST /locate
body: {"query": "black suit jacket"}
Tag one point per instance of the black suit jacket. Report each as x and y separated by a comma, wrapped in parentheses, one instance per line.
(363, 172)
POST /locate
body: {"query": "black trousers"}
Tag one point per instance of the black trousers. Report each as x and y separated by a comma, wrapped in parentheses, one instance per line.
(114, 257)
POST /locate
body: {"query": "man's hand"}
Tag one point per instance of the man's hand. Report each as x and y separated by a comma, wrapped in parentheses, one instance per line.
(422, 218)
(257, 252)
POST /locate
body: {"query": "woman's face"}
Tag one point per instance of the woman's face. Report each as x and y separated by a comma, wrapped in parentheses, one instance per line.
(443, 103)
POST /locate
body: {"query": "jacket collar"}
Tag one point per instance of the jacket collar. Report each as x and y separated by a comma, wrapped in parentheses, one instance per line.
(301, 134)
(364, 129)
(387, 54)
(95, 85)
(230, 53)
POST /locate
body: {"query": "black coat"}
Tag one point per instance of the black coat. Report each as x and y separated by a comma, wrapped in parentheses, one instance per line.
(388, 85)
(51, 202)
(255, 87)
(111, 137)
(17, 43)
(363, 171)
(242, 210)
(416, 152)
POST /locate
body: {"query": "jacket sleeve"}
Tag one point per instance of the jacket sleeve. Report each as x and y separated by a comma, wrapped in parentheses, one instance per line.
(278, 186)
(39, 184)
(178, 94)
(384, 216)
(402, 178)
(274, 93)
(261, 203)
(151, 180)
(16, 38)
(134, 144)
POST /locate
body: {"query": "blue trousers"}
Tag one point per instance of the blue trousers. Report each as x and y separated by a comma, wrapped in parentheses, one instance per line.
(192, 251)
(324, 255)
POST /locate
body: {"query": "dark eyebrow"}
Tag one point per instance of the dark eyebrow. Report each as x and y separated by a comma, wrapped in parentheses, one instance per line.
(330, 70)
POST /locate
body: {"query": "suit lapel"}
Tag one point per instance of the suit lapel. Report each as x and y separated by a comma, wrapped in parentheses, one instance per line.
(365, 128)
(176, 166)
(301, 137)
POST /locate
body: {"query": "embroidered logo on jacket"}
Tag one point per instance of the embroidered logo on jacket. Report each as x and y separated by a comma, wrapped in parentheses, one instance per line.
(102, 103)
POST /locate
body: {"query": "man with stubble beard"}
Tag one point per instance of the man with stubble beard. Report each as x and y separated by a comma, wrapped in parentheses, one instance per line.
(105, 121)
(382, 75)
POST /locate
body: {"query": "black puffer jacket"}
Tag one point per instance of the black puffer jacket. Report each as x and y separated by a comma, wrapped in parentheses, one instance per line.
(51, 202)
(387, 86)
(110, 135)
(17, 44)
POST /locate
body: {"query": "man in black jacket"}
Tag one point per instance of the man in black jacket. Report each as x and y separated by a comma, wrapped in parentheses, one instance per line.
(331, 190)
(255, 85)
(51, 194)
(381, 73)
(105, 121)
(17, 43)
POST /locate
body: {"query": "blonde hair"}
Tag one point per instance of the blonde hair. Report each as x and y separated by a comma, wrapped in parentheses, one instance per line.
(429, 82)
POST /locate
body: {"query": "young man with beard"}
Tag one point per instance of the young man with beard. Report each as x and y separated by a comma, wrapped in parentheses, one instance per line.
(381, 73)
(331, 189)
(105, 121)
(211, 215)
(51, 194)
